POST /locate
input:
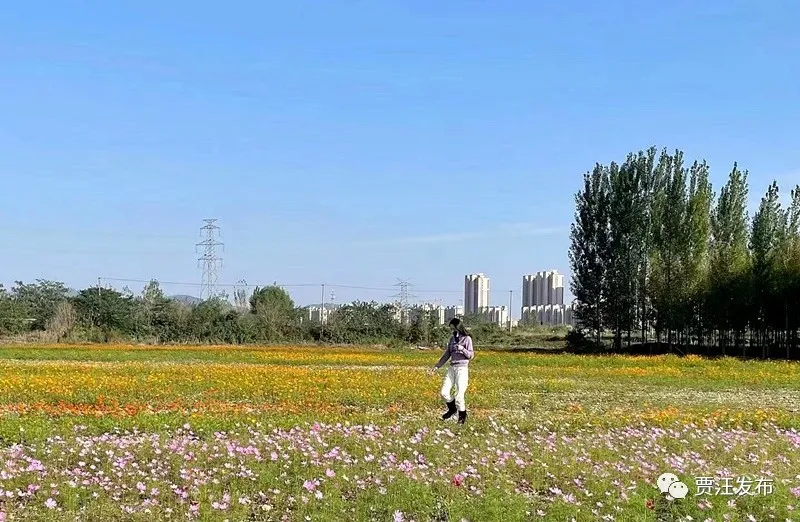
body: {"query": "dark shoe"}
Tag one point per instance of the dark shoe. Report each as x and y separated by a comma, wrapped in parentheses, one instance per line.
(451, 410)
(462, 417)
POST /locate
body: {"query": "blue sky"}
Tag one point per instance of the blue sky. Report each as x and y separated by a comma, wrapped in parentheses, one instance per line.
(359, 142)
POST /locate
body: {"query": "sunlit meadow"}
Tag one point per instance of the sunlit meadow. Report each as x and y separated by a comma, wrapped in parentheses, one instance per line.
(303, 433)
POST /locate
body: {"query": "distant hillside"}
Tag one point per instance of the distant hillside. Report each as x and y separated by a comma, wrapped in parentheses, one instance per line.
(186, 299)
(329, 306)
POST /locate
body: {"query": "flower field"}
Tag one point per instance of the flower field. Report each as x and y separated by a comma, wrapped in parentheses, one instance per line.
(304, 433)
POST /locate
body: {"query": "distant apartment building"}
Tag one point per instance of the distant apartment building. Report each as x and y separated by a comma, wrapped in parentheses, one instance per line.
(569, 315)
(432, 309)
(400, 315)
(497, 315)
(549, 314)
(543, 288)
(555, 289)
(528, 282)
(437, 311)
(451, 312)
(319, 314)
(476, 293)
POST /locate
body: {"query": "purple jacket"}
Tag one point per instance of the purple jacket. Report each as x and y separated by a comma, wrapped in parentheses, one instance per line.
(460, 352)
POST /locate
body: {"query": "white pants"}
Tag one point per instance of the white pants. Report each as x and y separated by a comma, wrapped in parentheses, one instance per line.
(457, 376)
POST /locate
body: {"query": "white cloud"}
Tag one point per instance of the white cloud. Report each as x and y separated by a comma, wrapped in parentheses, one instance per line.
(503, 230)
(528, 229)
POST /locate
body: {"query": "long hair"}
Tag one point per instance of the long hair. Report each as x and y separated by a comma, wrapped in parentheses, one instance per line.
(459, 325)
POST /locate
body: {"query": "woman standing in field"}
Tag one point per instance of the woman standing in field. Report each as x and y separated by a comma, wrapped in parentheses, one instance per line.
(460, 352)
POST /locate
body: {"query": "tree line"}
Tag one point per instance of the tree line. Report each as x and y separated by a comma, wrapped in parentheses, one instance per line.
(657, 257)
(48, 311)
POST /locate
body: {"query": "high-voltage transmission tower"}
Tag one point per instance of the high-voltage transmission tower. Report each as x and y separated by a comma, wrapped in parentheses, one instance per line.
(209, 261)
(403, 296)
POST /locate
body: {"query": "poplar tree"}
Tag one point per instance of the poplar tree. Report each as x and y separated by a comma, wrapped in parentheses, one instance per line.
(649, 186)
(697, 224)
(729, 259)
(670, 241)
(624, 207)
(589, 250)
(765, 242)
(791, 256)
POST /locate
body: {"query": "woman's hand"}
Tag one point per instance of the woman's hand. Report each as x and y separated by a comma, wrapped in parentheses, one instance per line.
(431, 371)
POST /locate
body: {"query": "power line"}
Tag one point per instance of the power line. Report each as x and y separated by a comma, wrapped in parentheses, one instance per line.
(209, 259)
(295, 285)
(174, 283)
(328, 286)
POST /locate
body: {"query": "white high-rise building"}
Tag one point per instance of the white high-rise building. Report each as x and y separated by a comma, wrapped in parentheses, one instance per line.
(431, 309)
(528, 289)
(555, 288)
(543, 288)
(476, 293)
(319, 314)
(497, 315)
(541, 284)
(551, 315)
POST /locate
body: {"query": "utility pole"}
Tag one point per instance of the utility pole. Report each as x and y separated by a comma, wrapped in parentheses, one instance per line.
(510, 300)
(99, 301)
(322, 306)
(209, 258)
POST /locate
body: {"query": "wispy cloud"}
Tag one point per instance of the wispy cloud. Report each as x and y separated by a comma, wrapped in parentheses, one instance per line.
(416, 240)
(528, 229)
(502, 230)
